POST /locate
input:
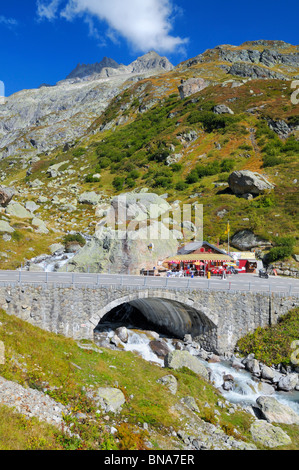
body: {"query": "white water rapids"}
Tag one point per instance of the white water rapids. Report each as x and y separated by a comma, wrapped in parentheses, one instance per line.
(245, 390)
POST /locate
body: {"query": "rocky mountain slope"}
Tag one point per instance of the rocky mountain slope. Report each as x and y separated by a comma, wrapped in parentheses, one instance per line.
(40, 120)
(179, 132)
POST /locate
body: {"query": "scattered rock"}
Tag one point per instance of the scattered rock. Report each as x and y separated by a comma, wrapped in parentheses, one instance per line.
(247, 182)
(288, 382)
(268, 435)
(170, 382)
(108, 398)
(6, 195)
(192, 86)
(178, 359)
(56, 248)
(91, 198)
(222, 109)
(190, 403)
(31, 206)
(122, 333)
(274, 411)
(15, 209)
(245, 240)
(159, 347)
(40, 224)
(5, 227)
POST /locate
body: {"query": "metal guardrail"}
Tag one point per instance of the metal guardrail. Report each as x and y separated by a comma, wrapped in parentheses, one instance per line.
(93, 281)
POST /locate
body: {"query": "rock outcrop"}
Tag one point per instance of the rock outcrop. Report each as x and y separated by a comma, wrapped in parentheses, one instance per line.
(129, 236)
(192, 86)
(43, 119)
(178, 359)
(247, 182)
(274, 411)
(246, 240)
(6, 195)
(268, 435)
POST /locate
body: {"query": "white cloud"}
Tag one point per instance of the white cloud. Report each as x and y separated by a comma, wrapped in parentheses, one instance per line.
(145, 24)
(47, 10)
(10, 22)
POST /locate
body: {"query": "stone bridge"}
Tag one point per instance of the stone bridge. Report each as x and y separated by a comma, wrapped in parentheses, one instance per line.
(216, 319)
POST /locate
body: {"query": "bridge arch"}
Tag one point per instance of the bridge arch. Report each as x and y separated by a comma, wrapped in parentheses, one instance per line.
(171, 314)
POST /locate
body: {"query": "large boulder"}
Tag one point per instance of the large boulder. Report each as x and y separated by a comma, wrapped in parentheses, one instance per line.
(129, 236)
(89, 197)
(159, 347)
(247, 182)
(288, 382)
(246, 240)
(5, 227)
(275, 412)
(108, 398)
(192, 86)
(222, 109)
(15, 209)
(268, 435)
(6, 195)
(178, 359)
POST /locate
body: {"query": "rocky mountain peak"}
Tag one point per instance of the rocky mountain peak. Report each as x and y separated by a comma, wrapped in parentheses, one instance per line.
(83, 70)
(108, 66)
(151, 61)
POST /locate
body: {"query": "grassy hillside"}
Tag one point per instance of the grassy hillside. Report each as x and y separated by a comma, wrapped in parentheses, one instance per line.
(273, 345)
(60, 368)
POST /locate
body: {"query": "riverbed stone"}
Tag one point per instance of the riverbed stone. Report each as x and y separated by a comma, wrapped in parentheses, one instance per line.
(276, 412)
(268, 435)
(178, 359)
(288, 382)
(122, 333)
(267, 373)
(159, 347)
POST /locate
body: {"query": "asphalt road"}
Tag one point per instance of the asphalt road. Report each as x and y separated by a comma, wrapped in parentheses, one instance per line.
(240, 282)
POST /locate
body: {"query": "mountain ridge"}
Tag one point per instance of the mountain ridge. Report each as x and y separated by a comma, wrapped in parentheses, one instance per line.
(149, 61)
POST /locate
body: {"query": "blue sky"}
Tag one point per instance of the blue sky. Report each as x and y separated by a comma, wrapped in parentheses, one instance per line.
(43, 40)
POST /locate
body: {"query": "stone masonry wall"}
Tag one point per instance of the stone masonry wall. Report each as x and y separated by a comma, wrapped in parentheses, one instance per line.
(221, 317)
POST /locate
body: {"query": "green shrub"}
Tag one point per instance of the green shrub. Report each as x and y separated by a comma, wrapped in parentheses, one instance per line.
(162, 181)
(71, 238)
(227, 165)
(91, 179)
(104, 162)
(118, 183)
(192, 177)
(272, 345)
(181, 186)
(271, 160)
(130, 182)
(283, 249)
(176, 167)
(79, 152)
